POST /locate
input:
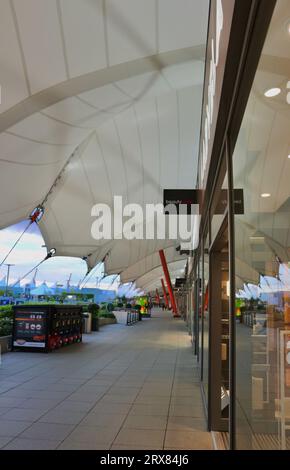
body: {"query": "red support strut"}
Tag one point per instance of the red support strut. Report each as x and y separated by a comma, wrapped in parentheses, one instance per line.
(168, 282)
(157, 298)
(165, 294)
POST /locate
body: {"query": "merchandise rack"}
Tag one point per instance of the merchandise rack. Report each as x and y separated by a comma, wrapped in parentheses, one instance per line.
(46, 327)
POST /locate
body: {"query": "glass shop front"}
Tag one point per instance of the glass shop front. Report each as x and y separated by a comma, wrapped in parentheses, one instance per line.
(240, 303)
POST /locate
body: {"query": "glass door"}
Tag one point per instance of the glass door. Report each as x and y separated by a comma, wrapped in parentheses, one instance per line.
(219, 392)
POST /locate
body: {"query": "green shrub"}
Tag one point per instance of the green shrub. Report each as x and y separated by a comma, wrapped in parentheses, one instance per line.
(6, 325)
(93, 309)
(6, 312)
(106, 315)
(110, 307)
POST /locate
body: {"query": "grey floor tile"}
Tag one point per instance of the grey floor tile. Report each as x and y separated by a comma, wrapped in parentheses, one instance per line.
(50, 395)
(62, 388)
(191, 401)
(186, 410)
(144, 399)
(93, 389)
(88, 397)
(12, 428)
(140, 437)
(188, 440)
(62, 417)
(23, 414)
(94, 435)
(117, 399)
(145, 422)
(49, 431)
(36, 404)
(186, 423)
(4, 441)
(71, 380)
(156, 391)
(118, 382)
(130, 447)
(4, 410)
(19, 393)
(28, 444)
(185, 392)
(104, 420)
(150, 409)
(131, 391)
(74, 406)
(113, 408)
(9, 402)
(72, 445)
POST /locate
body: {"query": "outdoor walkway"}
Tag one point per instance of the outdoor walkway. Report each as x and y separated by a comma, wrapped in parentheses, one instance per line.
(124, 388)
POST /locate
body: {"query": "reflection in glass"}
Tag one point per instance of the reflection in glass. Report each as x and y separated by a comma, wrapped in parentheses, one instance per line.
(205, 314)
(262, 248)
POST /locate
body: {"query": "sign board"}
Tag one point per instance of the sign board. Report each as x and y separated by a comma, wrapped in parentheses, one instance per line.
(30, 329)
(179, 197)
(179, 282)
(223, 201)
(191, 197)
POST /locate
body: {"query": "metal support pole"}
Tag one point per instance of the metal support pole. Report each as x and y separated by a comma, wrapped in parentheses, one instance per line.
(168, 282)
(7, 277)
(165, 294)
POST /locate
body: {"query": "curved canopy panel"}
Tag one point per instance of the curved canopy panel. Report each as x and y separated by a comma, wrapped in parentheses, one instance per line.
(152, 279)
(99, 99)
(149, 263)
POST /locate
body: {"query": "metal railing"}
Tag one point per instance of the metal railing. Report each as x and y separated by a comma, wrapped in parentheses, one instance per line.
(132, 317)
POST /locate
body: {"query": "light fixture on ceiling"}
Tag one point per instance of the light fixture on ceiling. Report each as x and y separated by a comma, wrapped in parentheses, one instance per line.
(289, 156)
(265, 195)
(272, 92)
(257, 238)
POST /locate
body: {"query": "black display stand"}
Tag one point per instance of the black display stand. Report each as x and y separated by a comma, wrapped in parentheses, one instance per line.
(46, 327)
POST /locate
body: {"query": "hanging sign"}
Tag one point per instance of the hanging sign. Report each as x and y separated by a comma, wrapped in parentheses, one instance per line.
(189, 199)
(174, 199)
(179, 282)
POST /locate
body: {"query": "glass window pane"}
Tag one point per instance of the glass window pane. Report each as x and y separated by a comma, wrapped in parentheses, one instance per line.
(205, 314)
(261, 166)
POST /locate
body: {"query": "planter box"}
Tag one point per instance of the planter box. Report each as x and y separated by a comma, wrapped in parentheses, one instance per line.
(95, 324)
(5, 343)
(107, 321)
(126, 317)
(121, 316)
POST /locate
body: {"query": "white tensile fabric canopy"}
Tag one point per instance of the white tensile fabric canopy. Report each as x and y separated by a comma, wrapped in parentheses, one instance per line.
(150, 263)
(151, 280)
(99, 98)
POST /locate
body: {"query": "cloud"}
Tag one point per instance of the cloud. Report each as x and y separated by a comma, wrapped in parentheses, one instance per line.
(30, 251)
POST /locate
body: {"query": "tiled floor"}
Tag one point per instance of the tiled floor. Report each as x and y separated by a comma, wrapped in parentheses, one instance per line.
(123, 388)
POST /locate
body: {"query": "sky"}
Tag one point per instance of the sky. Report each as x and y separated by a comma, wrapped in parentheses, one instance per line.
(31, 250)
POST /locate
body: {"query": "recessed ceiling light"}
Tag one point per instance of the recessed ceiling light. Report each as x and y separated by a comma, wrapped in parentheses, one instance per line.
(272, 92)
(265, 195)
(289, 156)
(257, 238)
